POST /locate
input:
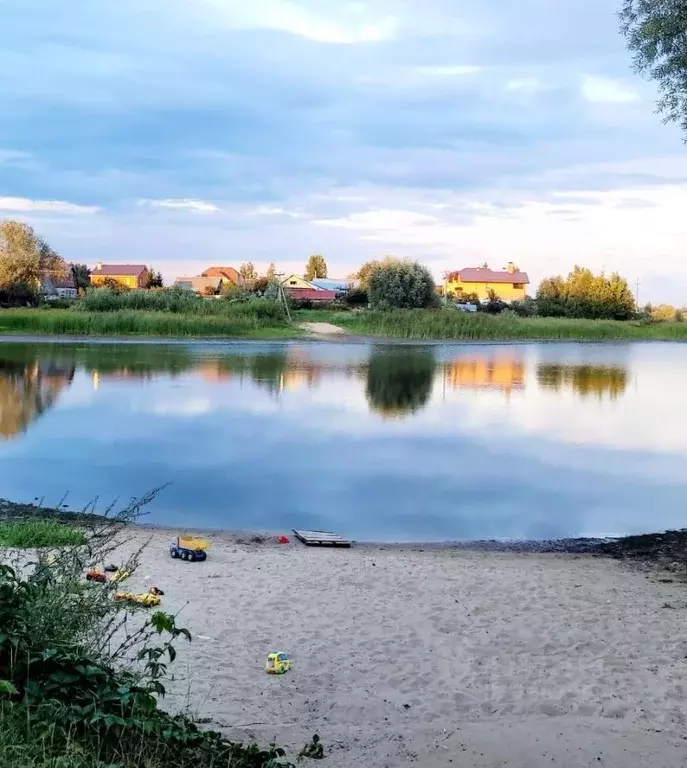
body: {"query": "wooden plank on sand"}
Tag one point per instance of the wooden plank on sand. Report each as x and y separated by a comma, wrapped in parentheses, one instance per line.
(321, 539)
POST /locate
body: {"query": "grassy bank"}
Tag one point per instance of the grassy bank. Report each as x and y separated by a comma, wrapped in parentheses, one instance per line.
(449, 324)
(231, 323)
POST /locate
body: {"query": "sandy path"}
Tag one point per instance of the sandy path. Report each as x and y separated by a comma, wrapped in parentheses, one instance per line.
(408, 657)
(323, 329)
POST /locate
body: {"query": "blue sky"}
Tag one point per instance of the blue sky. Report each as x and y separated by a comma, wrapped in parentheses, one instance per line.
(183, 133)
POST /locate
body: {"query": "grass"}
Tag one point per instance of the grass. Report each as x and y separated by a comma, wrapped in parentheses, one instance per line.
(450, 324)
(39, 533)
(231, 323)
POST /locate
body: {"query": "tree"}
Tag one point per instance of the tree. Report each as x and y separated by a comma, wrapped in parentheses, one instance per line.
(25, 257)
(655, 33)
(247, 271)
(583, 294)
(401, 284)
(271, 273)
(154, 279)
(316, 267)
(82, 276)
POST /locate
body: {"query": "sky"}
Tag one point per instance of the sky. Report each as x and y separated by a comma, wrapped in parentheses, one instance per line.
(187, 133)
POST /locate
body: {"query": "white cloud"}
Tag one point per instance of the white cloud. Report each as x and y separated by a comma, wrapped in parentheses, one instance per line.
(25, 205)
(195, 206)
(380, 220)
(269, 210)
(457, 70)
(604, 90)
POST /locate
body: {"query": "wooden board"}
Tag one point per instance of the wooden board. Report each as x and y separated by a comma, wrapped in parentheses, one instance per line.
(321, 539)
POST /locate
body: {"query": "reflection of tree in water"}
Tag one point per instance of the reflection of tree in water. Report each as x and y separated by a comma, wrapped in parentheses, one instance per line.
(584, 380)
(399, 381)
(29, 388)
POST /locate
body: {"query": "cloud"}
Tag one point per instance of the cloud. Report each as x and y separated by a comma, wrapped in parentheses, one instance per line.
(354, 129)
(603, 90)
(24, 205)
(195, 206)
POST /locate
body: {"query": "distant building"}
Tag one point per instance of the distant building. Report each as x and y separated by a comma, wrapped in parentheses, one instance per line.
(509, 284)
(330, 284)
(296, 281)
(127, 275)
(63, 287)
(204, 286)
(226, 273)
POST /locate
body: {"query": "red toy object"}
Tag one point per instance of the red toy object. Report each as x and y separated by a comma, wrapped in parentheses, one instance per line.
(283, 539)
(93, 574)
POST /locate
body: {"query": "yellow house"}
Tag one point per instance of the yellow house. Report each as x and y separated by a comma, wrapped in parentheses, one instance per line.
(509, 284)
(295, 281)
(127, 275)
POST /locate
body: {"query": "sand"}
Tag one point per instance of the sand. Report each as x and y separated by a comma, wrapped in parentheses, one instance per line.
(431, 657)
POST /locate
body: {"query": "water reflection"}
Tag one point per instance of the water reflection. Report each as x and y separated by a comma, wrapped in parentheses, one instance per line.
(28, 388)
(584, 380)
(399, 381)
(501, 371)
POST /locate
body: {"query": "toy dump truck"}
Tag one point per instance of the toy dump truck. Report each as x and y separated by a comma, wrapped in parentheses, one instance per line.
(189, 548)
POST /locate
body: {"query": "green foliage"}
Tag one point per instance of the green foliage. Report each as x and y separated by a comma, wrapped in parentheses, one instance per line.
(450, 323)
(247, 271)
(18, 295)
(585, 295)
(356, 297)
(39, 533)
(155, 279)
(655, 32)
(401, 284)
(80, 689)
(82, 276)
(250, 319)
(316, 267)
(25, 257)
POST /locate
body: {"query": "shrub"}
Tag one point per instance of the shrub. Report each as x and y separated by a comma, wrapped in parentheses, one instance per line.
(397, 284)
(356, 297)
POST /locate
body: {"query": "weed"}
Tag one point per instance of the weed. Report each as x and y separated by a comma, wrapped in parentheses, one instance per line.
(39, 533)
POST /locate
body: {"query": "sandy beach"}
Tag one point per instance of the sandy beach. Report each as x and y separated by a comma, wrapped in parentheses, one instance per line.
(432, 657)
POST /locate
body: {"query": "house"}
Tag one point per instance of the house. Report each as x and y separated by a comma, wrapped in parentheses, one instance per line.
(228, 274)
(339, 286)
(58, 287)
(509, 284)
(296, 281)
(127, 275)
(205, 286)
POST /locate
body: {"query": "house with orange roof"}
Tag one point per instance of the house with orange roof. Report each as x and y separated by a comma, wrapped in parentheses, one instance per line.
(509, 284)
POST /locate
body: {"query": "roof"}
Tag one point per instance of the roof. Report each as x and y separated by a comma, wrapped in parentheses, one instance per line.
(119, 270)
(486, 275)
(49, 281)
(311, 294)
(229, 273)
(331, 284)
(198, 284)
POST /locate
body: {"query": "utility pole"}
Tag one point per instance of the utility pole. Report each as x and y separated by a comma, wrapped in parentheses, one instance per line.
(281, 296)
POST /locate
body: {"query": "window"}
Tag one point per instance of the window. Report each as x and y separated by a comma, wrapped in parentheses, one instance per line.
(293, 282)
(518, 286)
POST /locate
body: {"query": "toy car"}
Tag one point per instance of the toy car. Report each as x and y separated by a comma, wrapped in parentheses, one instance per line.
(188, 548)
(277, 663)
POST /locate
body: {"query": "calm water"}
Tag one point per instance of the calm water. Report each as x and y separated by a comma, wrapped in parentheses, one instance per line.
(377, 442)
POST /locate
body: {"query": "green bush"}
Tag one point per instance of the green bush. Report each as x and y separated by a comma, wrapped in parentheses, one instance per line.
(401, 284)
(80, 685)
(39, 533)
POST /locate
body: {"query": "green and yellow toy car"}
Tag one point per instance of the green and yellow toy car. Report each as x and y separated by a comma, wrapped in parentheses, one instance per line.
(277, 663)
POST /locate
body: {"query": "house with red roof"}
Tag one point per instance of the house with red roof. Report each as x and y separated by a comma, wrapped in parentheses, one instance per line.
(127, 275)
(509, 284)
(228, 274)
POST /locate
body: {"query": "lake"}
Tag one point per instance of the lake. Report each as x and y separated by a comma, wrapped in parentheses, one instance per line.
(375, 441)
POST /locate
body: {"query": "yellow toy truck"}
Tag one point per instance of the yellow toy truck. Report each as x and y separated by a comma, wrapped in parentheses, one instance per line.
(277, 663)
